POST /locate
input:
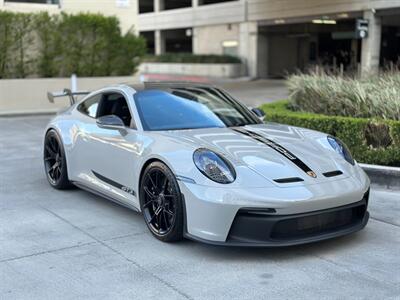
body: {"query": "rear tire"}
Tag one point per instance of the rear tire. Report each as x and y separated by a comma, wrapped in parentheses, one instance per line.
(55, 163)
(161, 202)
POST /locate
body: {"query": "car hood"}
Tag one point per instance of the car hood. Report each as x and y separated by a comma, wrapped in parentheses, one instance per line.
(274, 151)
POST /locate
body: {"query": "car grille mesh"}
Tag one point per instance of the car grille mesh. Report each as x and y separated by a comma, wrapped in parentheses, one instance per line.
(317, 224)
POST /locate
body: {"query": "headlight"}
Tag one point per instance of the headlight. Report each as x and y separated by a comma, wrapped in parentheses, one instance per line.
(214, 166)
(341, 148)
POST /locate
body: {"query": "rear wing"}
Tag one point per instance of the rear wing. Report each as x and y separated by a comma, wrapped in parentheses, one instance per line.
(66, 93)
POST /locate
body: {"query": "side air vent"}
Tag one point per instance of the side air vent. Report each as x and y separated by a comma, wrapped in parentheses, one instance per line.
(333, 173)
(288, 180)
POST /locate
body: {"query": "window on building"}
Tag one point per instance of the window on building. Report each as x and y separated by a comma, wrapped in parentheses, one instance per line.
(174, 4)
(178, 40)
(150, 43)
(230, 47)
(146, 6)
(206, 2)
(36, 1)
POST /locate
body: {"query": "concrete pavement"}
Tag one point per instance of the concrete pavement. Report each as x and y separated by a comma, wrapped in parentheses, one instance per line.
(74, 245)
(257, 92)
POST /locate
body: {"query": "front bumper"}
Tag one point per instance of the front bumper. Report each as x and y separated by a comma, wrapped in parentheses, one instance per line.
(275, 217)
(253, 228)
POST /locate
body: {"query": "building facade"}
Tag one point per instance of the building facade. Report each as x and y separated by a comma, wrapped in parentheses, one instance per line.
(276, 37)
(271, 37)
(125, 10)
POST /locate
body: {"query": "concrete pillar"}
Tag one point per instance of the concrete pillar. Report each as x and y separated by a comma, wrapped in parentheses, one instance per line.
(371, 46)
(195, 41)
(248, 47)
(158, 5)
(195, 3)
(262, 56)
(159, 42)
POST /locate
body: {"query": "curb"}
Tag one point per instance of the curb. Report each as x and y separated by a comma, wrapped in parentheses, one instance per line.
(29, 113)
(382, 176)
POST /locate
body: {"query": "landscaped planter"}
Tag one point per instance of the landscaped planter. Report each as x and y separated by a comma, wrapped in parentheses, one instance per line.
(219, 70)
(371, 141)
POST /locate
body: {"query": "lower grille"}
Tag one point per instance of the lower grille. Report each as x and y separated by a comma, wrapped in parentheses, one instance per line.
(303, 227)
(257, 226)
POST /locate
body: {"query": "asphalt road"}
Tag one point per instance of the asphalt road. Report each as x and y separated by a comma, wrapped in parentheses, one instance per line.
(74, 245)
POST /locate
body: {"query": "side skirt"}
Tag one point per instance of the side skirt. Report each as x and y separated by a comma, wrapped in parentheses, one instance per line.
(93, 191)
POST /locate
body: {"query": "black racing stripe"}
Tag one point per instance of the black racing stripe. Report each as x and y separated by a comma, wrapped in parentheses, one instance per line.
(114, 183)
(278, 148)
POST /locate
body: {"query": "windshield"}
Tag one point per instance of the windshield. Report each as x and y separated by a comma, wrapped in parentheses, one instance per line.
(190, 108)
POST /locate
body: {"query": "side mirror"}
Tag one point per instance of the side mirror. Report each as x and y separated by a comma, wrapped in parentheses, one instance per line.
(110, 122)
(259, 113)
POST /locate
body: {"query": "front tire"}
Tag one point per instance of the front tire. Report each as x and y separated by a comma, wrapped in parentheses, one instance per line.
(161, 202)
(55, 163)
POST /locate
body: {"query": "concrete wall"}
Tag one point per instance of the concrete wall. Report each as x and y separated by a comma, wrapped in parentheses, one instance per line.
(20, 96)
(272, 9)
(209, 39)
(28, 8)
(208, 70)
(254, 10)
(127, 15)
(221, 13)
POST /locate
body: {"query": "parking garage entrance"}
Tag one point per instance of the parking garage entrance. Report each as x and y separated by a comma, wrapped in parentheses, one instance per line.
(304, 47)
(329, 45)
(390, 44)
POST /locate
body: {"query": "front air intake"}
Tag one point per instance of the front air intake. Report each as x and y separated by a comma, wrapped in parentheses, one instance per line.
(288, 180)
(333, 173)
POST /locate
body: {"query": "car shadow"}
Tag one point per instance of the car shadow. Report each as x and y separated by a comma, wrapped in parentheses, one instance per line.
(320, 248)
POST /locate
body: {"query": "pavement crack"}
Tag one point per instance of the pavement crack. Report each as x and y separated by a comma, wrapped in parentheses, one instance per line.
(136, 264)
(383, 221)
(45, 252)
(124, 236)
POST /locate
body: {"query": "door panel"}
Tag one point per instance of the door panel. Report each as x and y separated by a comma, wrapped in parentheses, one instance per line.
(114, 162)
(106, 158)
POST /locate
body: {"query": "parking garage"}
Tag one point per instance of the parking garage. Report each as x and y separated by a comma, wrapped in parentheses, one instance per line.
(326, 43)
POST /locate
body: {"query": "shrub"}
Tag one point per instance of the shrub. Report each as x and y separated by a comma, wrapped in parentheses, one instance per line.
(193, 58)
(40, 45)
(15, 39)
(373, 97)
(373, 141)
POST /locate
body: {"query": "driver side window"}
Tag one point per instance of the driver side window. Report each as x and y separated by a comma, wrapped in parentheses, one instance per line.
(89, 106)
(115, 104)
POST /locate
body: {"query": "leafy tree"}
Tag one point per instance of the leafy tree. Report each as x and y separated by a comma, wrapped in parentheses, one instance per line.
(6, 41)
(49, 45)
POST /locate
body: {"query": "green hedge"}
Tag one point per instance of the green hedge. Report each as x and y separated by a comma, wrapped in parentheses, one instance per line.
(372, 141)
(43, 45)
(192, 58)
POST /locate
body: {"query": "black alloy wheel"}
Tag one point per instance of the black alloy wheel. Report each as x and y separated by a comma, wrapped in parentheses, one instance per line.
(161, 202)
(55, 162)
